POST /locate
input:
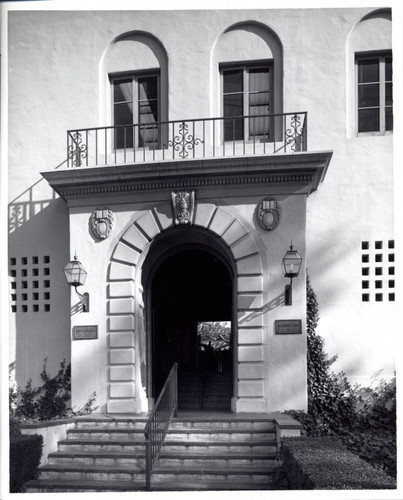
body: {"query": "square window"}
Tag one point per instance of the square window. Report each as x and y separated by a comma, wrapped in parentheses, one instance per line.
(378, 297)
(46, 307)
(35, 307)
(35, 296)
(24, 272)
(365, 271)
(378, 284)
(46, 259)
(24, 309)
(46, 271)
(24, 261)
(391, 257)
(378, 245)
(46, 296)
(24, 284)
(35, 260)
(392, 270)
(378, 271)
(365, 284)
(365, 245)
(13, 273)
(46, 284)
(391, 283)
(13, 261)
(391, 297)
(365, 297)
(365, 258)
(13, 308)
(24, 296)
(13, 285)
(378, 257)
(14, 297)
(35, 284)
(391, 244)
(35, 272)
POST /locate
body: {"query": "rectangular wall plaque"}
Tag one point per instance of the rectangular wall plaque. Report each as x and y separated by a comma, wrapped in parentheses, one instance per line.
(85, 332)
(287, 326)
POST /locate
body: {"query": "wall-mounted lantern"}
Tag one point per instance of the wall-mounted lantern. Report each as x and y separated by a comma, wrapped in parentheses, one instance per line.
(291, 267)
(76, 276)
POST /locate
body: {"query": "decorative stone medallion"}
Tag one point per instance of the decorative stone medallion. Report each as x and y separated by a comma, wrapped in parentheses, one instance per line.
(183, 206)
(101, 222)
(268, 214)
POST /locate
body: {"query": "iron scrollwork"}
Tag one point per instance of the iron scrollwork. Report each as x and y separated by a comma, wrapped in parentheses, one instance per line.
(294, 135)
(184, 142)
(77, 151)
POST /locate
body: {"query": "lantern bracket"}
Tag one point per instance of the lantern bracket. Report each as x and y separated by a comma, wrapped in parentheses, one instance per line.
(291, 266)
(75, 276)
(84, 299)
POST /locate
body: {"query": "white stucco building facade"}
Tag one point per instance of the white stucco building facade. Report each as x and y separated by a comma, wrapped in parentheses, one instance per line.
(155, 103)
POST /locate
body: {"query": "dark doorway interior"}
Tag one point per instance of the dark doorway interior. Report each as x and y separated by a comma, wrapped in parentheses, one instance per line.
(191, 287)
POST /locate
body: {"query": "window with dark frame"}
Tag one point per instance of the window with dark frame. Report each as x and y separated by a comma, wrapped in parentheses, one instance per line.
(246, 93)
(374, 92)
(136, 102)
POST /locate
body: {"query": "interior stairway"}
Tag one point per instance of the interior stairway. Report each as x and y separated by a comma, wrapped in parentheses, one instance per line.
(218, 392)
(211, 392)
(190, 391)
(201, 452)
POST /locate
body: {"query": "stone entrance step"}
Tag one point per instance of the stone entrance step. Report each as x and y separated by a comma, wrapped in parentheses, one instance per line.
(58, 486)
(205, 451)
(198, 474)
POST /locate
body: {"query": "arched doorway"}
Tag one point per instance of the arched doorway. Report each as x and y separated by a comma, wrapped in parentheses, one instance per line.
(189, 304)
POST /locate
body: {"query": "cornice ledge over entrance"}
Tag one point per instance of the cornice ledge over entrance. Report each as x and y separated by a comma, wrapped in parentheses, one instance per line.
(306, 169)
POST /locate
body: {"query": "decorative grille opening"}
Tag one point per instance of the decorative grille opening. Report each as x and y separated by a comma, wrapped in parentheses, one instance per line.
(30, 284)
(377, 285)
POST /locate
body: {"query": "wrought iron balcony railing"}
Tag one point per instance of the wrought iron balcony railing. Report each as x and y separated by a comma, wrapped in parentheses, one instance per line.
(187, 139)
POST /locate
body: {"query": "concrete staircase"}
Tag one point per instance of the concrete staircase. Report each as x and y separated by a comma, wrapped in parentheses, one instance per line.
(201, 452)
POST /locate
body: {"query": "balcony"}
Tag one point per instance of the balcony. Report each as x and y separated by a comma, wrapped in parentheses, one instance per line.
(178, 140)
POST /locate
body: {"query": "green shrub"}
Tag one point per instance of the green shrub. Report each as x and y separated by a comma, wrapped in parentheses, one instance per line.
(12, 405)
(25, 456)
(324, 463)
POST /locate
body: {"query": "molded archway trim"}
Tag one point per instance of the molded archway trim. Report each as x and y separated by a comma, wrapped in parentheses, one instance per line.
(219, 230)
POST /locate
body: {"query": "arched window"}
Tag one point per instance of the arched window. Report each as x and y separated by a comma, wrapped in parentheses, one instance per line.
(248, 57)
(370, 54)
(136, 66)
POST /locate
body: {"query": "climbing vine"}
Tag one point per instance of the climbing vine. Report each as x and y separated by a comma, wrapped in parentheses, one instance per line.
(46, 402)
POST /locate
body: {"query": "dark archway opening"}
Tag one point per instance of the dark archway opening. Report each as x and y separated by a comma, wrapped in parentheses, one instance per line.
(191, 288)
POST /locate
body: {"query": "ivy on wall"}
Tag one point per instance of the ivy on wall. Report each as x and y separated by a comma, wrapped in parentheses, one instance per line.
(363, 418)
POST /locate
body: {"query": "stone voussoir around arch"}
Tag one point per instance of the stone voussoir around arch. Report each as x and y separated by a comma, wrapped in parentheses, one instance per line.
(125, 257)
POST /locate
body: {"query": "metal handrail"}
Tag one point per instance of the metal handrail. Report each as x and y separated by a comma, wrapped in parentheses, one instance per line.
(155, 430)
(187, 139)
